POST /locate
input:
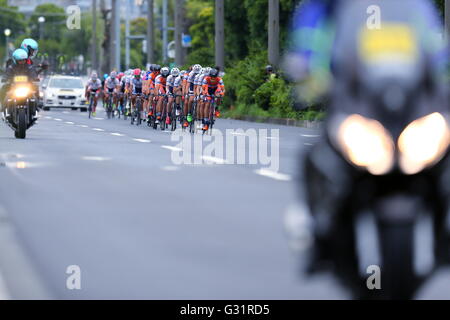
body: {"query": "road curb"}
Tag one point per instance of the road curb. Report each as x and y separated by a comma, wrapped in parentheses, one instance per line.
(285, 122)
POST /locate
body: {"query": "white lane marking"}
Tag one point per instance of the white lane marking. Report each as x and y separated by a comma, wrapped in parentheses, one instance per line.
(82, 126)
(117, 134)
(309, 144)
(311, 135)
(69, 122)
(142, 140)
(56, 119)
(98, 129)
(170, 168)
(214, 160)
(238, 134)
(171, 148)
(99, 118)
(272, 138)
(47, 117)
(94, 158)
(66, 112)
(273, 174)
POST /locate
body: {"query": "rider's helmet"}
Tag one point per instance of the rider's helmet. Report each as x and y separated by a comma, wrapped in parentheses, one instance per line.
(30, 46)
(269, 68)
(156, 68)
(20, 56)
(213, 72)
(113, 74)
(137, 72)
(94, 76)
(175, 72)
(165, 71)
(197, 68)
(206, 70)
(120, 75)
(150, 67)
(105, 76)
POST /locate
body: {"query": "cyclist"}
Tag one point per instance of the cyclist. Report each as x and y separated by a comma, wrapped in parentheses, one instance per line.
(155, 72)
(199, 90)
(146, 81)
(135, 86)
(212, 86)
(110, 88)
(93, 87)
(121, 92)
(160, 91)
(189, 90)
(173, 88)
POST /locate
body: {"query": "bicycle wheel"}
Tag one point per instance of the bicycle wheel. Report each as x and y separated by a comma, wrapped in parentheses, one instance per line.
(138, 111)
(90, 106)
(173, 119)
(194, 115)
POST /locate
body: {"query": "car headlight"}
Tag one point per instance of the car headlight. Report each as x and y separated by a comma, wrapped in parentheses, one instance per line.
(366, 143)
(41, 94)
(21, 92)
(423, 142)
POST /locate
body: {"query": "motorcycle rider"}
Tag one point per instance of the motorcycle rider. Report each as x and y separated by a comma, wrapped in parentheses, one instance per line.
(20, 66)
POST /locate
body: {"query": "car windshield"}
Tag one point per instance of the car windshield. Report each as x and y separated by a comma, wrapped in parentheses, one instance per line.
(66, 83)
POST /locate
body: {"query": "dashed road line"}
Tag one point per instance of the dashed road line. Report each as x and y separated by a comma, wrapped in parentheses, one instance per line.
(310, 135)
(172, 148)
(273, 174)
(117, 134)
(98, 129)
(142, 140)
(214, 160)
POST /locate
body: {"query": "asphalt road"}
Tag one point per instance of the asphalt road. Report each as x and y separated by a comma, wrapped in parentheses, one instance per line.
(107, 197)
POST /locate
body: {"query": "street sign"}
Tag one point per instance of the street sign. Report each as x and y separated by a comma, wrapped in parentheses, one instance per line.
(186, 40)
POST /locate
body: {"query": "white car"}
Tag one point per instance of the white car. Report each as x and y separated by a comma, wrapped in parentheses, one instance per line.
(64, 92)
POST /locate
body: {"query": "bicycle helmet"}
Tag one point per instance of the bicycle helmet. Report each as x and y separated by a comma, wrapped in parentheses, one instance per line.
(165, 71)
(19, 55)
(30, 46)
(175, 72)
(197, 68)
(156, 67)
(137, 72)
(213, 72)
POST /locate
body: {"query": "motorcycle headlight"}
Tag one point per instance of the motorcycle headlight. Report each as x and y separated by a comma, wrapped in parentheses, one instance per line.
(21, 92)
(423, 142)
(366, 143)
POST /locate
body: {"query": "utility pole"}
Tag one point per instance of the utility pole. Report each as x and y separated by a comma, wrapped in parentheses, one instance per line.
(165, 30)
(127, 35)
(220, 37)
(179, 58)
(94, 36)
(274, 32)
(150, 32)
(106, 48)
(115, 34)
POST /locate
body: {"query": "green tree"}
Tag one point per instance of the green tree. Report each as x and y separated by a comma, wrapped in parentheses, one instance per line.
(54, 25)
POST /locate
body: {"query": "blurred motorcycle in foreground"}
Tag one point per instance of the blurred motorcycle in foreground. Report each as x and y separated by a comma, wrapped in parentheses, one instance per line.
(378, 183)
(21, 105)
